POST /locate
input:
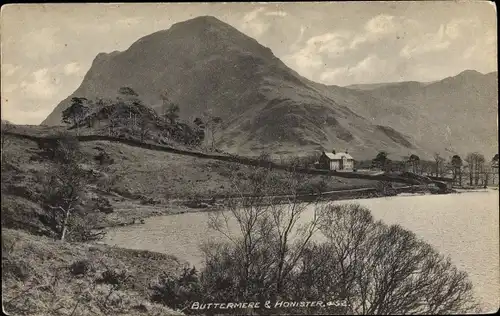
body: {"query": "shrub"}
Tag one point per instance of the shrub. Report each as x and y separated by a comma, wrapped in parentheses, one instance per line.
(178, 292)
(103, 205)
(382, 269)
(114, 277)
(366, 266)
(18, 269)
(80, 268)
(104, 158)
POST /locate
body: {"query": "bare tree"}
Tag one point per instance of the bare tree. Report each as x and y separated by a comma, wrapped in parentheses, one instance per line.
(213, 125)
(414, 161)
(269, 241)
(145, 127)
(63, 192)
(6, 127)
(480, 160)
(456, 163)
(370, 267)
(114, 118)
(494, 167)
(439, 168)
(475, 163)
(382, 269)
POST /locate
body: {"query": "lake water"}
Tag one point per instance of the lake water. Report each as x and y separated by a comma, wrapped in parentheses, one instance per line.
(464, 226)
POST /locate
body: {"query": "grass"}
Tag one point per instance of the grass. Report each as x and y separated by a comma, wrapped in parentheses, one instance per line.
(140, 183)
(39, 277)
(165, 175)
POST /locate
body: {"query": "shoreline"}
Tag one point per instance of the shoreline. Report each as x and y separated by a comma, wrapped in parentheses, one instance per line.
(179, 207)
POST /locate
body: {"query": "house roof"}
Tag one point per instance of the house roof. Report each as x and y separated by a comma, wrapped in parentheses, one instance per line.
(338, 156)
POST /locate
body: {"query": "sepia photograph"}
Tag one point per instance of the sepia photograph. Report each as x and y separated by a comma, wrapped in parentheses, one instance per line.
(250, 158)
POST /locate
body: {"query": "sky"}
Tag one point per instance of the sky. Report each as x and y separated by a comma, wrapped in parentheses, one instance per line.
(46, 49)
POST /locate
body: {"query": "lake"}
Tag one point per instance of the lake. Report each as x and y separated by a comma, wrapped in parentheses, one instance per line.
(464, 226)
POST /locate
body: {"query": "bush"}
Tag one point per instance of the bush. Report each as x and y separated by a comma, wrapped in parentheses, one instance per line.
(82, 225)
(148, 200)
(103, 205)
(114, 277)
(18, 269)
(178, 292)
(367, 266)
(382, 269)
(63, 148)
(314, 186)
(80, 268)
(104, 158)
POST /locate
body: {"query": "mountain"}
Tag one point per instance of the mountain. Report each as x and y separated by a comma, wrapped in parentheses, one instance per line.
(373, 86)
(457, 114)
(207, 66)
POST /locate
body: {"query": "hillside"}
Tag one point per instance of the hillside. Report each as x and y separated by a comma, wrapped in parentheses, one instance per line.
(207, 66)
(457, 114)
(40, 276)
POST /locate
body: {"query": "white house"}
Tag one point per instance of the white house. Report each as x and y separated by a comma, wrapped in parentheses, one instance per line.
(336, 161)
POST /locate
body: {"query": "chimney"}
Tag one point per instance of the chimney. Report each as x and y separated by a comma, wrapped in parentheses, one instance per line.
(346, 151)
(333, 152)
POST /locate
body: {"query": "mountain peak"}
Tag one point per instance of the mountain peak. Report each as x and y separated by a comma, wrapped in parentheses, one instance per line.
(201, 21)
(205, 19)
(207, 66)
(470, 72)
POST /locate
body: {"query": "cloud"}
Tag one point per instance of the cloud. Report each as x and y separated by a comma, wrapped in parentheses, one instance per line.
(484, 50)
(128, 21)
(306, 61)
(72, 69)
(364, 71)
(309, 58)
(295, 44)
(45, 41)
(455, 27)
(10, 87)
(252, 24)
(32, 117)
(41, 86)
(381, 24)
(334, 43)
(431, 42)
(257, 21)
(9, 69)
(276, 13)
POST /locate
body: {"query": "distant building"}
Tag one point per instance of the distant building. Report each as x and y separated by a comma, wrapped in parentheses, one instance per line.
(336, 161)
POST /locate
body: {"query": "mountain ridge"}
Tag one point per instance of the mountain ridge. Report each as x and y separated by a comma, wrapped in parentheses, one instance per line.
(208, 66)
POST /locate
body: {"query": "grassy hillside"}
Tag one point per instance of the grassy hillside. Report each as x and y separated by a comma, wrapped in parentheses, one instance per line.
(164, 175)
(41, 276)
(136, 182)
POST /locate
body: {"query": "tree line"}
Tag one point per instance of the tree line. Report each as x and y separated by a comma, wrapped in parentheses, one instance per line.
(475, 166)
(127, 115)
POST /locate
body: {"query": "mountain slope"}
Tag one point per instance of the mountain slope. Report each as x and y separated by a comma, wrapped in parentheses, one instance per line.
(457, 114)
(207, 66)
